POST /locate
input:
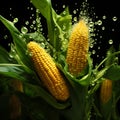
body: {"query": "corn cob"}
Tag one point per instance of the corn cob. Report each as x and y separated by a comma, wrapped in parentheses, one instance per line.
(17, 85)
(14, 107)
(106, 91)
(48, 72)
(78, 48)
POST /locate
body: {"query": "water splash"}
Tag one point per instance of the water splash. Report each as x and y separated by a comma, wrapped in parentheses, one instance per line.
(24, 30)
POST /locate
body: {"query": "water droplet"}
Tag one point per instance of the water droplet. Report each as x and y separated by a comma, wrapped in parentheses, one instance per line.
(114, 18)
(76, 3)
(28, 7)
(113, 29)
(110, 41)
(99, 22)
(91, 45)
(20, 35)
(98, 56)
(31, 26)
(24, 30)
(91, 24)
(64, 12)
(33, 21)
(74, 11)
(11, 56)
(27, 23)
(63, 6)
(37, 11)
(104, 17)
(75, 19)
(38, 19)
(5, 36)
(93, 52)
(98, 47)
(15, 20)
(31, 8)
(103, 28)
(33, 15)
(42, 45)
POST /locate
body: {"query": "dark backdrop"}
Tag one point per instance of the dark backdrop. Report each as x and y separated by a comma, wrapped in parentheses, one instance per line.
(24, 11)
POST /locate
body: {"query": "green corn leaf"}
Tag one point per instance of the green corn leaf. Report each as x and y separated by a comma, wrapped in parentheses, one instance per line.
(21, 49)
(4, 56)
(113, 73)
(37, 91)
(15, 71)
(44, 7)
(55, 23)
(19, 42)
(36, 36)
(10, 26)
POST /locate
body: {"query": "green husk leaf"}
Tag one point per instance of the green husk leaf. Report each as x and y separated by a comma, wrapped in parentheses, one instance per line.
(10, 26)
(54, 21)
(4, 56)
(37, 91)
(15, 71)
(113, 73)
(19, 42)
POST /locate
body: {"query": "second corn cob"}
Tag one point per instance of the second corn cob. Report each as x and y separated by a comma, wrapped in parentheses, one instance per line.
(48, 72)
(106, 91)
(14, 107)
(78, 48)
(17, 85)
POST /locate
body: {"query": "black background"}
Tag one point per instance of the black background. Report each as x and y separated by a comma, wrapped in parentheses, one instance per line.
(21, 9)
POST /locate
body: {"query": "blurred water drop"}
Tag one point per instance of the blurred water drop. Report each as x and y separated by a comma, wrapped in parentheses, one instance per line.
(37, 11)
(33, 15)
(42, 45)
(74, 11)
(31, 8)
(98, 56)
(63, 6)
(24, 30)
(26, 22)
(38, 19)
(103, 28)
(113, 29)
(91, 45)
(114, 18)
(93, 52)
(28, 7)
(75, 19)
(99, 22)
(110, 41)
(32, 26)
(91, 24)
(33, 21)
(15, 20)
(10, 8)
(5, 36)
(11, 56)
(98, 47)
(64, 12)
(104, 17)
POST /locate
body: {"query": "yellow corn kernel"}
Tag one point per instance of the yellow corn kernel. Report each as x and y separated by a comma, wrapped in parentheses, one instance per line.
(48, 72)
(78, 48)
(106, 91)
(17, 85)
(14, 107)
